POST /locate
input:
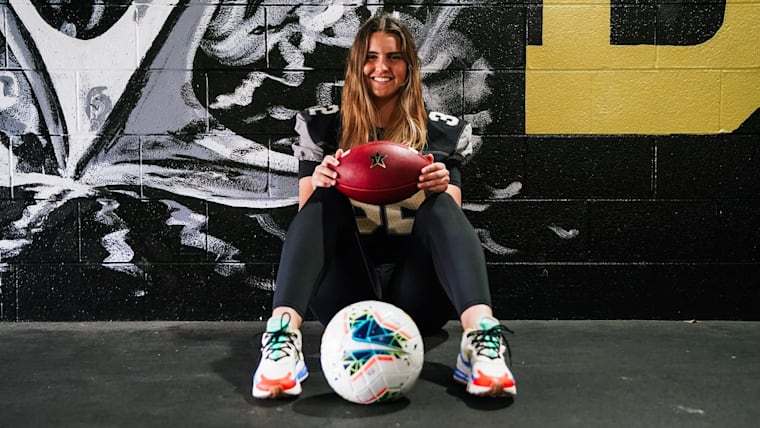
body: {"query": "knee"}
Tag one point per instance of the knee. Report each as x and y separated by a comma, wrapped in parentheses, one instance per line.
(326, 203)
(327, 195)
(437, 207)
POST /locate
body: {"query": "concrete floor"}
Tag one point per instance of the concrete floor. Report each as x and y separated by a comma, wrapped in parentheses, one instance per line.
(569, 373)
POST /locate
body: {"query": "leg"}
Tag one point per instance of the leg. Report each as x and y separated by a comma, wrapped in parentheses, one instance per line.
(321, 264)
(459, 264)
(444, 265)
(473, 314)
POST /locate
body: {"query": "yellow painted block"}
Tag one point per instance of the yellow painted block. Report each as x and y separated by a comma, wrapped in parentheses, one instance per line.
(576, 82)
(564, 100)
(741, 97)
(656, 102)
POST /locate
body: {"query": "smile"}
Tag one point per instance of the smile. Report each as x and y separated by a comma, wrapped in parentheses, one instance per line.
(382, 79)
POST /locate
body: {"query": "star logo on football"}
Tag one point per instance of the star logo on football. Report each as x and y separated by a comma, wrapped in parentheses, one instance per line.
(378, 159)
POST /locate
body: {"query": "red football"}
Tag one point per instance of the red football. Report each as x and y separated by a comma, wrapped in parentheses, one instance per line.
(380, 172)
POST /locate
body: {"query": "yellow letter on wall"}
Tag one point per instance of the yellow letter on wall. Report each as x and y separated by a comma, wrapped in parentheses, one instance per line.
(577, 83)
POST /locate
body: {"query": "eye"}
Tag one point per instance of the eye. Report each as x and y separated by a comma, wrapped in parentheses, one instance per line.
(371, 57)
(395, 57)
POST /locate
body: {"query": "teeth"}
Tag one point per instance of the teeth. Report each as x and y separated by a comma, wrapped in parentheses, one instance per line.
(381, 79)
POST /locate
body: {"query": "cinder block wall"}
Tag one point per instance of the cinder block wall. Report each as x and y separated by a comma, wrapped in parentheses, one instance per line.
(146, 171)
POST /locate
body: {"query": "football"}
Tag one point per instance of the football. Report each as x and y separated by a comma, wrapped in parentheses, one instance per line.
(371, 352)
(380, 172)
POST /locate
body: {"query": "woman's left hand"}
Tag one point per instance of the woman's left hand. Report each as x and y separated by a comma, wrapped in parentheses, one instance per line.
(434, 177)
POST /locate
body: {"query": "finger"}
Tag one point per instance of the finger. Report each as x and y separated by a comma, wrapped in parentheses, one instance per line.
(330, 168)
(330, 160)
(323, 181)
(440, 184)
(433, 167)
(442, 175)
(328, 172)
(323, 176)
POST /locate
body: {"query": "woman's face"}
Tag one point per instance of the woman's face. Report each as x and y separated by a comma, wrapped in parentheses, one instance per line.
(384, 67)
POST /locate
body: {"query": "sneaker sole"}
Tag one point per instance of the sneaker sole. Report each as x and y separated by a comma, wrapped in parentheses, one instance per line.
(496, 390)
(462, 374)
(277, 391)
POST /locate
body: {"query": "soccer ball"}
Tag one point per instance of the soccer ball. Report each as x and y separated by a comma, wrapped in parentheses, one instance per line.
(371, 351)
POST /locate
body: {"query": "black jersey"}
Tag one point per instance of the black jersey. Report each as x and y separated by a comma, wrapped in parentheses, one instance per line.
(448, 140)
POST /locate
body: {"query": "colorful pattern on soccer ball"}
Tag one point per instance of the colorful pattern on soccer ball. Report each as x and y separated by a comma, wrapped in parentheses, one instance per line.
(371, 351)
(368, 328)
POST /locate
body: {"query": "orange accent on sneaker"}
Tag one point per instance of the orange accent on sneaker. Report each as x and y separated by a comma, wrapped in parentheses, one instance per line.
(286, 383)
(484, 380)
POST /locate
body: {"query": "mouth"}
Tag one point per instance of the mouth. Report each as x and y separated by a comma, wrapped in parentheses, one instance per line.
(382, 79)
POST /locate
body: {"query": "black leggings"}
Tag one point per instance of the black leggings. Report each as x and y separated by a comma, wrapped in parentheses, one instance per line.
(324, 266)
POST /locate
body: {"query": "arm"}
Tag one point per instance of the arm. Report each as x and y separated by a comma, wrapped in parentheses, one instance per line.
(446, 134)
(435, 178)
(323, 176)
(455, 193)
(317, 133)
(305, 189)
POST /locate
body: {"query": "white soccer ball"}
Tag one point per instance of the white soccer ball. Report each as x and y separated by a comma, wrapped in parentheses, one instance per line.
(371, 351)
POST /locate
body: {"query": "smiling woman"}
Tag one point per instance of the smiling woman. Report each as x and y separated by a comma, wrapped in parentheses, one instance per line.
(420, 254)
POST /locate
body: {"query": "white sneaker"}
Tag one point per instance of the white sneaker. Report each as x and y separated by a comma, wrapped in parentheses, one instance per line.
(481, 363)
(281, 367)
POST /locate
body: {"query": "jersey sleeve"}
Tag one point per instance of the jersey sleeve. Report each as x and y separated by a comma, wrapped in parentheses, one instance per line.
(450, 142)
(317, 129)
(463, 151)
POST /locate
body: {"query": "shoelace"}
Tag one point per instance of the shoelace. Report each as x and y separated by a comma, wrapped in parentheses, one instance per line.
(487, 342)
(280, 342)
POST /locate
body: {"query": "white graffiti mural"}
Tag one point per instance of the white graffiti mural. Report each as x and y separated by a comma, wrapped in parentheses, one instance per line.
(113, 102)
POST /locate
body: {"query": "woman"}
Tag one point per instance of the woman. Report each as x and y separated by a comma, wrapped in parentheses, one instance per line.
(421, 254)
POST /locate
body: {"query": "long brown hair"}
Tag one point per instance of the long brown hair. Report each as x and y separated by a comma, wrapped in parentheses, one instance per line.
(358, 111)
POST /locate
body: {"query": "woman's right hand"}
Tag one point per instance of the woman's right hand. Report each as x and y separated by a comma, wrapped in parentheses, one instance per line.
(324, 175)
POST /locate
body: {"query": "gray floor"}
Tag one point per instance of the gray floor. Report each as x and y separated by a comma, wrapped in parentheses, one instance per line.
(569, 373)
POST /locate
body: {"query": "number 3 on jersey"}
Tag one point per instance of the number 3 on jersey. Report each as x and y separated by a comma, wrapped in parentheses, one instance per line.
(436, 116)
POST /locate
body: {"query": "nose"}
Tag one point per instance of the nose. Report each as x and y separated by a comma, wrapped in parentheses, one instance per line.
(382, 64)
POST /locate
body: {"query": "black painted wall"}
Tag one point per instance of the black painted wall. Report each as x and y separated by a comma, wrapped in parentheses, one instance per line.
(573, 226)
